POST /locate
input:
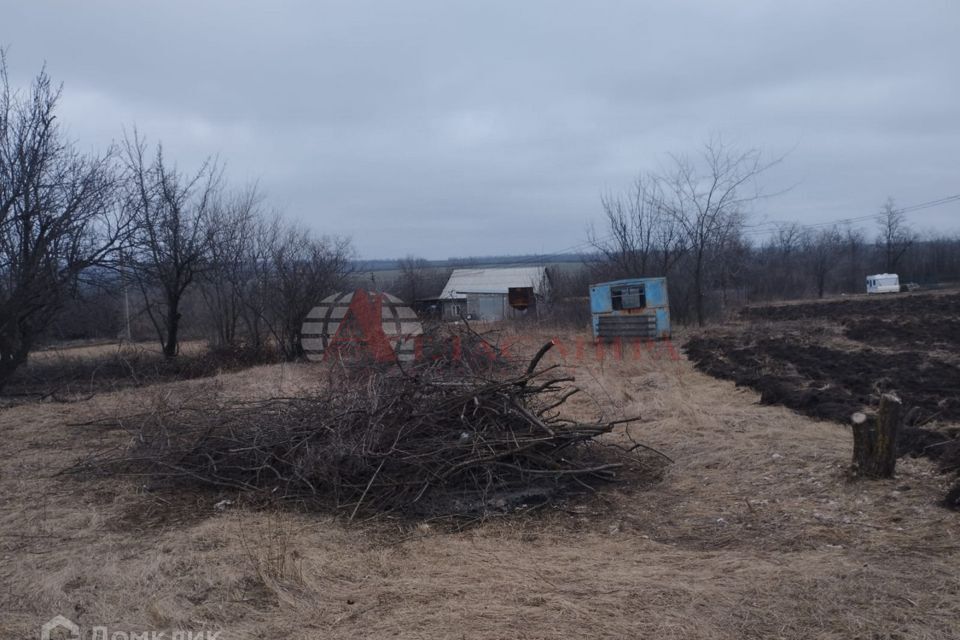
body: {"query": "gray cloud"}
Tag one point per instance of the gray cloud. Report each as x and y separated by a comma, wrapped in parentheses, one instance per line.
(451, 128)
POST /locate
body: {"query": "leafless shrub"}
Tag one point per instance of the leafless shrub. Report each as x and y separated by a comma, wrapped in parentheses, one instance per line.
(169, 252)
(418, 279)
(272, 555)
(64, 377)
(293, 270)
(235, 221)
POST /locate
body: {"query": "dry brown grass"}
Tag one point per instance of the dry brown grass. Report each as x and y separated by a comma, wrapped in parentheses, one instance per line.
(755, 532)
(94, 349)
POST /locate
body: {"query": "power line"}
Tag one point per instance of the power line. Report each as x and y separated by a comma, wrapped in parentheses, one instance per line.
(933, 203)
(544, 257)
(757, 229)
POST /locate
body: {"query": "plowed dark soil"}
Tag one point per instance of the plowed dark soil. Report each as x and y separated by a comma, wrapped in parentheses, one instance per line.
(896, 320)
(829, 383)
(828, 360)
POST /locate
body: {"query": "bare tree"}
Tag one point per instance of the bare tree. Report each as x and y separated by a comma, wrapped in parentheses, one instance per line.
(419, 279)
(785, 252)
(853, 250)
(895, 236)
(169, 252)
(708, 200)
(58, 216)
(671, 244)
(789, 238)
(631, 222)
(729, 259)
(298, 271)
(822, 250)
(412, 280)
(255, 288)
(235, 221)
(641, 238)
(690, 214)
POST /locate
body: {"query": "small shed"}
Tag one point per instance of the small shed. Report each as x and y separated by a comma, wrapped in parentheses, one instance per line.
(883, 283)
(630, 308)
(494, 294)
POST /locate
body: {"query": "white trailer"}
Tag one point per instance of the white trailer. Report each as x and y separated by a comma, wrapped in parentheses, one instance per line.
(883, 283)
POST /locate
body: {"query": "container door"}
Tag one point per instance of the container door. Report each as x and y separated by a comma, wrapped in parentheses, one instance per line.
(490, 308)
(600, 300)
(663, 323)
(656, 293)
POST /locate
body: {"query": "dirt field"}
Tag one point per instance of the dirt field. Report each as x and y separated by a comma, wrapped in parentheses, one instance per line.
(832, 358)
(754, 532)
(931, 320)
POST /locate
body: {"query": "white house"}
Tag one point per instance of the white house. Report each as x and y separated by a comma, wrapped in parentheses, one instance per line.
(494, 294)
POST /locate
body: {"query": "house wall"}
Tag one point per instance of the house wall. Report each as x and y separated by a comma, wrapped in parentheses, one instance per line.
(486, 307)
(453, 309)
(494, 307)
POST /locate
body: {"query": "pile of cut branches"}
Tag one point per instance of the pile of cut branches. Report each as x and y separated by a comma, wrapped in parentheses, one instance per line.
(421, 442)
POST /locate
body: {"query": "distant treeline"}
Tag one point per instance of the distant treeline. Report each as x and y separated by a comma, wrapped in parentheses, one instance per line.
(479, 261)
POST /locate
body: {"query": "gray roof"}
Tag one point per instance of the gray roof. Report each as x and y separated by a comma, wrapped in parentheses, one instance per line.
(464, 281)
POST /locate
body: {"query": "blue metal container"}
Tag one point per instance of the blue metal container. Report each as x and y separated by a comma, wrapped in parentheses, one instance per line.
(631, 308)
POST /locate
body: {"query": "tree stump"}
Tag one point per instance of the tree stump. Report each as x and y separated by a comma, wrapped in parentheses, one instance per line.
(875, 441)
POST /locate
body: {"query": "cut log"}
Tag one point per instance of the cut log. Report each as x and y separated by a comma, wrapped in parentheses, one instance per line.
(875, 441)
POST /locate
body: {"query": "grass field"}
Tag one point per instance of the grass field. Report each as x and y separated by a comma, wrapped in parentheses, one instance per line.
(754, 532)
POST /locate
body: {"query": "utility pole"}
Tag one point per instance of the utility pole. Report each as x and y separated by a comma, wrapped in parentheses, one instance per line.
(127, 334)
(126, 313)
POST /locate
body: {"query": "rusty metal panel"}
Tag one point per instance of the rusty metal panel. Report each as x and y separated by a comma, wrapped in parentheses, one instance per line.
(520, 297)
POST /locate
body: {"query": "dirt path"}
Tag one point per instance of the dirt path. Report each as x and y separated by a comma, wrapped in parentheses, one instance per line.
(753, 533)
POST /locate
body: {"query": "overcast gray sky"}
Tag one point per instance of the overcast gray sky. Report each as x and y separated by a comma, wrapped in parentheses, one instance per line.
(448, 128)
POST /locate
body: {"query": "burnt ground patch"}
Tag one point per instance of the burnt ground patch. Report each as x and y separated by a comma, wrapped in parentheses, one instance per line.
(828, 360)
